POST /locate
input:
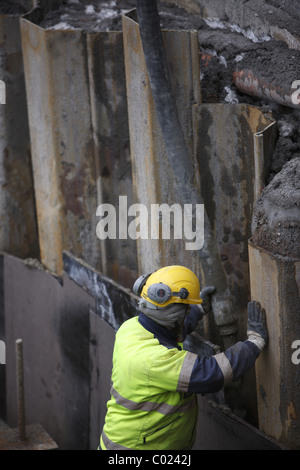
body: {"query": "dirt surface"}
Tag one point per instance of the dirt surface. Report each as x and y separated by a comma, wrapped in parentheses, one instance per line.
(276, 218)
(290, 6)
(224, 48)
(9, 8)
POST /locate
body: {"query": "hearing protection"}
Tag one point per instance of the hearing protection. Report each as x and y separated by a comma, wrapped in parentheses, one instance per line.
(173, 284)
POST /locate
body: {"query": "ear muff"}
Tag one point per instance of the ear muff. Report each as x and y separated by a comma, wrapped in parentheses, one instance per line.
(139, 284)
(161, 293)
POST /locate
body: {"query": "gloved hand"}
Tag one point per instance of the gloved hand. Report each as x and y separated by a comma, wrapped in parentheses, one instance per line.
(205, 295)
(257, 328)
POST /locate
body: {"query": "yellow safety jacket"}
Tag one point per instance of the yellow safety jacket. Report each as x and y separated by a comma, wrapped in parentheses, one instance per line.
(153, 403)
(149, 408)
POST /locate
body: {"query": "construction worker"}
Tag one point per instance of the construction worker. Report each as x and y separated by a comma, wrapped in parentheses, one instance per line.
(154, 381)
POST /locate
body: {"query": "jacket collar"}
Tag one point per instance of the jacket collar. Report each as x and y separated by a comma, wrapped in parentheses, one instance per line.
(164, 336)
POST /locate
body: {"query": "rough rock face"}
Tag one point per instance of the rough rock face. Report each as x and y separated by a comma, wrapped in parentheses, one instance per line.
(276, 217)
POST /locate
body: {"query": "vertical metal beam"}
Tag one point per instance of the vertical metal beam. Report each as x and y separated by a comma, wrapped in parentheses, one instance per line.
(62, 146)
(233, 145)
(106, 68)
(18, 228)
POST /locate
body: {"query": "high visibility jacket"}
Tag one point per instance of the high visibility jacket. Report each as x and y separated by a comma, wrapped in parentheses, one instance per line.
(153, 403)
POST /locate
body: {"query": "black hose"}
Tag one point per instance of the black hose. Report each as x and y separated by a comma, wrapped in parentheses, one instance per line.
(152, 41)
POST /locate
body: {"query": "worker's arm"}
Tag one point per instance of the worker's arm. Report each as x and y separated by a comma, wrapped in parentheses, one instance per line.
(210, 374)
(197, 312)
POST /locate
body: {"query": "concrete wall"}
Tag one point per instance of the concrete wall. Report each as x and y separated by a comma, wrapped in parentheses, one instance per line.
(68, 356)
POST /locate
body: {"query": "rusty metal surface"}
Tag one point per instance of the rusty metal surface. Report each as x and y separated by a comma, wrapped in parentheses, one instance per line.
(153, 181)
(62, 146)
(80, 143)
(36, 439)
(247, 82)
(105, 54)
(233, 157)
(275, 285)
(18, 228)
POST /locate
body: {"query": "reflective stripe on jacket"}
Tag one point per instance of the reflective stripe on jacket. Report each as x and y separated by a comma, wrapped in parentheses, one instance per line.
(153, 403)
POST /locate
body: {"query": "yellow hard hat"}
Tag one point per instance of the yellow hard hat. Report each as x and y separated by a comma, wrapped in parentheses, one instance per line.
(172, 284)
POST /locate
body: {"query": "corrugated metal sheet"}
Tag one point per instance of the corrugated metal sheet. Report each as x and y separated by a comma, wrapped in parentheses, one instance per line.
(80, 142)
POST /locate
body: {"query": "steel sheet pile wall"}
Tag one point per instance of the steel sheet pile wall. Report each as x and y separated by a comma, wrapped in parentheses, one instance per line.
(231, 147)
(111, 142)
(95, 136)
(80, 144)
(61, 140)
(233, 144)
(275, 282)
(18, 228)
(153, 178)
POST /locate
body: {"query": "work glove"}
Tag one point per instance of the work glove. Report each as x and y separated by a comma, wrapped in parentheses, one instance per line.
(257, 328)
(205, 295)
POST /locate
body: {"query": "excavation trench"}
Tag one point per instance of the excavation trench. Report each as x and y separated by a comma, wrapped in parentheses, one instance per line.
(92, 159)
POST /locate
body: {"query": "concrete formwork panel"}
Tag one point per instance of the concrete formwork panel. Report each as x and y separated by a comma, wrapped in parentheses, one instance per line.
(52, 319)
(18, 228)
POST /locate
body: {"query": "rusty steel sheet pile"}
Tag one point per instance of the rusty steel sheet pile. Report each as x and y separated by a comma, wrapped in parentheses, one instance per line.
(18, 228)
(274, 255)
(80, 129)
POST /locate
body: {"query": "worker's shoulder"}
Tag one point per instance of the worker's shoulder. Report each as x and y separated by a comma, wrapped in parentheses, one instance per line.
(129, 325)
